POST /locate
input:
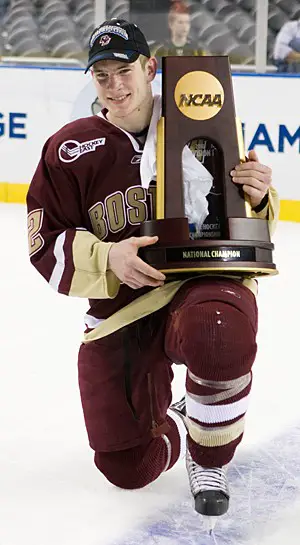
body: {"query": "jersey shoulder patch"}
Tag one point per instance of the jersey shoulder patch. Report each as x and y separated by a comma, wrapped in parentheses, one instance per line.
(77, 138)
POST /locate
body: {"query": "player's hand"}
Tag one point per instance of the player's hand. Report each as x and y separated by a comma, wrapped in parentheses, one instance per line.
(131, 269)
(254, 177)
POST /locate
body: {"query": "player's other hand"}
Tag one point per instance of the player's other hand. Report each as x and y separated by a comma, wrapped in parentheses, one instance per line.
(254, 178)
(131, 269)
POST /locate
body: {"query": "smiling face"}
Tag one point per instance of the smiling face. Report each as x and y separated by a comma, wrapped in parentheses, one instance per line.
(123, 87)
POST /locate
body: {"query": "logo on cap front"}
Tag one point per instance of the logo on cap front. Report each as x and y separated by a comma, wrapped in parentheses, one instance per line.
(111, 29)
(104, 40)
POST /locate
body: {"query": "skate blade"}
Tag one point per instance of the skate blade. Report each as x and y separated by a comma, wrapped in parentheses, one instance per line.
(209, 523)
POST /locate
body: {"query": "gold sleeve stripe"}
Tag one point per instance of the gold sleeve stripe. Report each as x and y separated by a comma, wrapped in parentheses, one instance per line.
(214, 437)
(251, 284)
(272, 209)
(91, 278)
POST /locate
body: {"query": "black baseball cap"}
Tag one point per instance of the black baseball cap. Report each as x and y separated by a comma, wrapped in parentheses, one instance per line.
(119, 40)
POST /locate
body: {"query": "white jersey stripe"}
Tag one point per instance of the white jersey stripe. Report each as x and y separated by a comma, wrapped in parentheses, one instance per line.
(91, 322)
(213, 414)
(59, 267)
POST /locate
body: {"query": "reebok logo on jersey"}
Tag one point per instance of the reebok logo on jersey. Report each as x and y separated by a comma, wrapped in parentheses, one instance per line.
(70, 150)
(136, 159)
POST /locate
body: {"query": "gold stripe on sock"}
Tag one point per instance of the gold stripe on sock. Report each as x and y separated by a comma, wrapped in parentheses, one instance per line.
(214, 437)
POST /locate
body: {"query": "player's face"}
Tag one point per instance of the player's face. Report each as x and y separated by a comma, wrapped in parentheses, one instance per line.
(180, 25)
(123, 87)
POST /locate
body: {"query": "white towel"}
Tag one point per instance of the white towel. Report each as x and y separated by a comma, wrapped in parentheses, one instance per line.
(197, 181)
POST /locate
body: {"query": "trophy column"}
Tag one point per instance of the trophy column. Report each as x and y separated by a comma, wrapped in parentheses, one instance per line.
(198, 103)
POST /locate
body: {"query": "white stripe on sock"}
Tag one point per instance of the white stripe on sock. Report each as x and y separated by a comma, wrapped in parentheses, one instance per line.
(213, 414)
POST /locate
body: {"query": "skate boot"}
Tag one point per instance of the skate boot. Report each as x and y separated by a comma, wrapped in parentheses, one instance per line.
(209, 487)
(179, 407)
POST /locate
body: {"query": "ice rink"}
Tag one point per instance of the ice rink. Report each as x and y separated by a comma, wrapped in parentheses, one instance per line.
(50, 491)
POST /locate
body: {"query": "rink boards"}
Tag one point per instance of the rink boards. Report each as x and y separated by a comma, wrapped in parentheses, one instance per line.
(51, 97)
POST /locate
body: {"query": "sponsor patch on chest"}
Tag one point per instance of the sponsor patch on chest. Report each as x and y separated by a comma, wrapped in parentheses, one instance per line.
(70, 150)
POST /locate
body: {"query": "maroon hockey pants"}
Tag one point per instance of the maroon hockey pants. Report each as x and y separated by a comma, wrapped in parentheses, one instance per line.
(125, 382)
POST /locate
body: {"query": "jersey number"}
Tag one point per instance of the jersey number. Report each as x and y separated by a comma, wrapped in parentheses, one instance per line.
(34, 223)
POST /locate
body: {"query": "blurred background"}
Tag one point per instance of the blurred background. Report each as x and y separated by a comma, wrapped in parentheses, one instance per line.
(44, 49)
(262, 35)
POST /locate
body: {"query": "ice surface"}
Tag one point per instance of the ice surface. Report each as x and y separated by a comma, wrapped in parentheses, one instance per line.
(50, 491)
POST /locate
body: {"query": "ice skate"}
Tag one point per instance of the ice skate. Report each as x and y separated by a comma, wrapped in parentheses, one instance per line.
(179, 407)
(209, 486)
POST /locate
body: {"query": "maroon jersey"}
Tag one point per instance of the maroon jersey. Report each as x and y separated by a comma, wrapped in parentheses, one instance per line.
(87, 189)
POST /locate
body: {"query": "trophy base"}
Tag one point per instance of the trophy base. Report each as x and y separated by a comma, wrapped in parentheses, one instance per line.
(245, 257)
(218, 258)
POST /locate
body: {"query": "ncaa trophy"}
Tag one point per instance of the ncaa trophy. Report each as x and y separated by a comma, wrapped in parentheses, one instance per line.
(197, 106)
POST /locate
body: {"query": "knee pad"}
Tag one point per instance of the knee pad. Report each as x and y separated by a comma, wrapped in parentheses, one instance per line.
(217, 340)
(135, 467)
(121, 468)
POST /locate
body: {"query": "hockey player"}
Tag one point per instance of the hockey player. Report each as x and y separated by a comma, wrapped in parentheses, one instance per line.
(85, 207)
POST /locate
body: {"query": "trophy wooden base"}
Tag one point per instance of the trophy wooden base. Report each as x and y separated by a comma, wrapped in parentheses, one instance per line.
(249, 257)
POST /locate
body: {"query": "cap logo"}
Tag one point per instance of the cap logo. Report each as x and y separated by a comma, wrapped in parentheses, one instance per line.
(108, 29)
(104, 40)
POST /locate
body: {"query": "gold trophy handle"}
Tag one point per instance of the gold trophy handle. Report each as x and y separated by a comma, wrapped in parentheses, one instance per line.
(243, 160)
(160, 171)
